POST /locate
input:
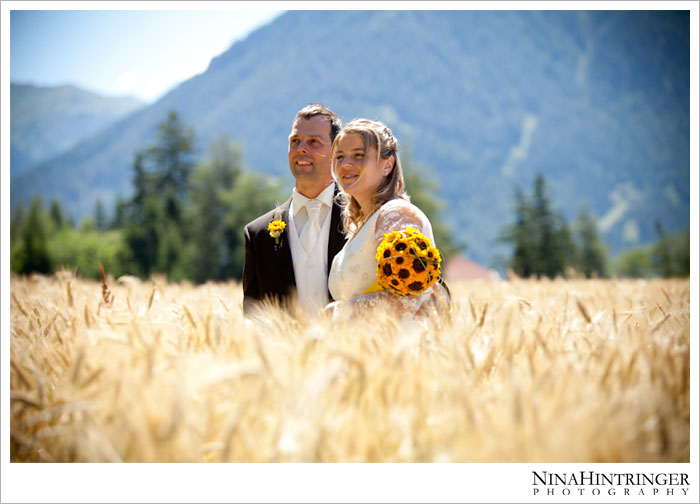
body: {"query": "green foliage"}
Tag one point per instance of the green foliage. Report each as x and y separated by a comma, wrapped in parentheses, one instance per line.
(186, 219)
(28, 250)
(121, 207)
(252, 196)
(82, 250)
(634, 263)
(42, 241)
(58, 219)
(100, 215)
(154, 230)
(223, 199)
(543, 244)
(668, 257)
(422, 188)
(590, 258)
(16, 220)
(541, 239)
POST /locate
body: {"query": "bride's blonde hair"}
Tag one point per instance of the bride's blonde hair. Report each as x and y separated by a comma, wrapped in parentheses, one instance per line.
(378, 135)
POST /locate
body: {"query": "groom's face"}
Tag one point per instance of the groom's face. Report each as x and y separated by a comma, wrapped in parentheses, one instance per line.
(310, 154)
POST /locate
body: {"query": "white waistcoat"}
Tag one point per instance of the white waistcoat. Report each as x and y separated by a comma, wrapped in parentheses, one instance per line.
(310, 270)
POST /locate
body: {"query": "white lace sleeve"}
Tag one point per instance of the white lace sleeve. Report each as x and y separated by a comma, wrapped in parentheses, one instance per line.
(395, 215)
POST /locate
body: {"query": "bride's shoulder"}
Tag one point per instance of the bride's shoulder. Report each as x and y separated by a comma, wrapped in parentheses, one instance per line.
(402, 207)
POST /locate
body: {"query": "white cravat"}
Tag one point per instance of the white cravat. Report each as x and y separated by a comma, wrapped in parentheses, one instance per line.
(311, 229)
(311, 268)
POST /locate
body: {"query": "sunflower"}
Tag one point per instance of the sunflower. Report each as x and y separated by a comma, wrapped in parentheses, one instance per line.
(407, 263)
(275, 229)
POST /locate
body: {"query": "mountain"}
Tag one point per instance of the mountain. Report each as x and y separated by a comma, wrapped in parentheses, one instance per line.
(45, 121)
(597, 101)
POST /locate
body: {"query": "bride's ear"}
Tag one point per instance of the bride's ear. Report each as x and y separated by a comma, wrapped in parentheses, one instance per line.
(388, 165)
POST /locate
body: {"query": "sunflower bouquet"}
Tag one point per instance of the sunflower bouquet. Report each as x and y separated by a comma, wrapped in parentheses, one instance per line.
(407, 263)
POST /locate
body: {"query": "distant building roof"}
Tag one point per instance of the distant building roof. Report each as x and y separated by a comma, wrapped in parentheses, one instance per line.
(459, 267)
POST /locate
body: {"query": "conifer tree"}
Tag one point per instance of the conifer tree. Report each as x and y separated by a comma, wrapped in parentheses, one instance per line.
(100, 215)
(661, 257)
(591, 253)
(540, 237)
(34, 256)
(154, 223)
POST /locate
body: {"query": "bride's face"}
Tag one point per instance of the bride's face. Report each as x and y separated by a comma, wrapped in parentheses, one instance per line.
(358, 174)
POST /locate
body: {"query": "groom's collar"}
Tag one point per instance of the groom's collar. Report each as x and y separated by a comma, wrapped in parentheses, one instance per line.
(325, 197)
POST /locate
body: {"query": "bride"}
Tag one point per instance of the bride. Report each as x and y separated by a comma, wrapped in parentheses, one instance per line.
(366, 165)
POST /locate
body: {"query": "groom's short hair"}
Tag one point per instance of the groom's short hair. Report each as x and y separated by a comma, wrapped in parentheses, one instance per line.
(314, 109)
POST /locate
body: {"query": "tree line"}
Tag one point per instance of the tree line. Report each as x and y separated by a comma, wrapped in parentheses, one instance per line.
(185, 218)
(186, 215)
(544, 245)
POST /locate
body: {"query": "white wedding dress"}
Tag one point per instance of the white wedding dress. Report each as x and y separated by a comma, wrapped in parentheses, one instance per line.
(354, 268)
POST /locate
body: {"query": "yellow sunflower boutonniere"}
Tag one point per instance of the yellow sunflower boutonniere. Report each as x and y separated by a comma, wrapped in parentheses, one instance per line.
(275, 228)
(407, 263)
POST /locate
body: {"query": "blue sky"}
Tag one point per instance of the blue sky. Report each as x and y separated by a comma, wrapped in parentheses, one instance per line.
(139, 53)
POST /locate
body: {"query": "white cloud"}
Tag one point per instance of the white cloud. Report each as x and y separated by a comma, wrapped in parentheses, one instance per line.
(520, 151)
(672, 195)
(630, 231)
(622, 197)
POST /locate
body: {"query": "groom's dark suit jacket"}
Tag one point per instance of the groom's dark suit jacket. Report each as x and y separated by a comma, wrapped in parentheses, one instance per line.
(268, 271)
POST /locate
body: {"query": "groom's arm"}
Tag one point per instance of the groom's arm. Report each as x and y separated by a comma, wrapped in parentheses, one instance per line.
(251, 287)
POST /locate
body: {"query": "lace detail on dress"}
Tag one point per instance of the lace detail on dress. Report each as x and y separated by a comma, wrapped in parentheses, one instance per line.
(397, 215)
(404, 306)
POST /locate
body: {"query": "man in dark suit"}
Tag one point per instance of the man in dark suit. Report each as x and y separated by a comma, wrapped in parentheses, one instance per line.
(294, 267)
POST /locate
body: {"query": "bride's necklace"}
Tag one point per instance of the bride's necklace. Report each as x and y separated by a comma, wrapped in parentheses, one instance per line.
(363, 221)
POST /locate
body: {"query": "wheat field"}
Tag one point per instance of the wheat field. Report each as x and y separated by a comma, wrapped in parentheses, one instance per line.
(521, 371)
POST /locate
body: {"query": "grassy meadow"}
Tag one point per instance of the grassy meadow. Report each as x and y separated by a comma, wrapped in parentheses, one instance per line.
(521, 371)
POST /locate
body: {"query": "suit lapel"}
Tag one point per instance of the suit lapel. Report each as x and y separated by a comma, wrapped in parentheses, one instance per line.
(283, 252)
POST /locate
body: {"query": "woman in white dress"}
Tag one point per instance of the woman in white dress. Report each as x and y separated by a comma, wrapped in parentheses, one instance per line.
(366, 166)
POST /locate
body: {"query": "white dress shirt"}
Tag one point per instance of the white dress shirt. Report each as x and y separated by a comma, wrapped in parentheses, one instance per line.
(310, 270)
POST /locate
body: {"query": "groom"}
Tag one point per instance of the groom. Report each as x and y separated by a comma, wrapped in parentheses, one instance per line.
(297, 267)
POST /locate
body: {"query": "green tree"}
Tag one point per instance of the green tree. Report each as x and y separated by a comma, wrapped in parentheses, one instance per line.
(16, 221)
(30, 252)
(670, 255)
(212, 241)
(82, 250)
(634, 263)
(680, 253)
(101, 220)
(540, 237)
(119, 218)
(423, 189)
(58, 220)
(520, 235)
(172, 158)
(591, 254)
(251, 196)
(661, 253)
(154, 230)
